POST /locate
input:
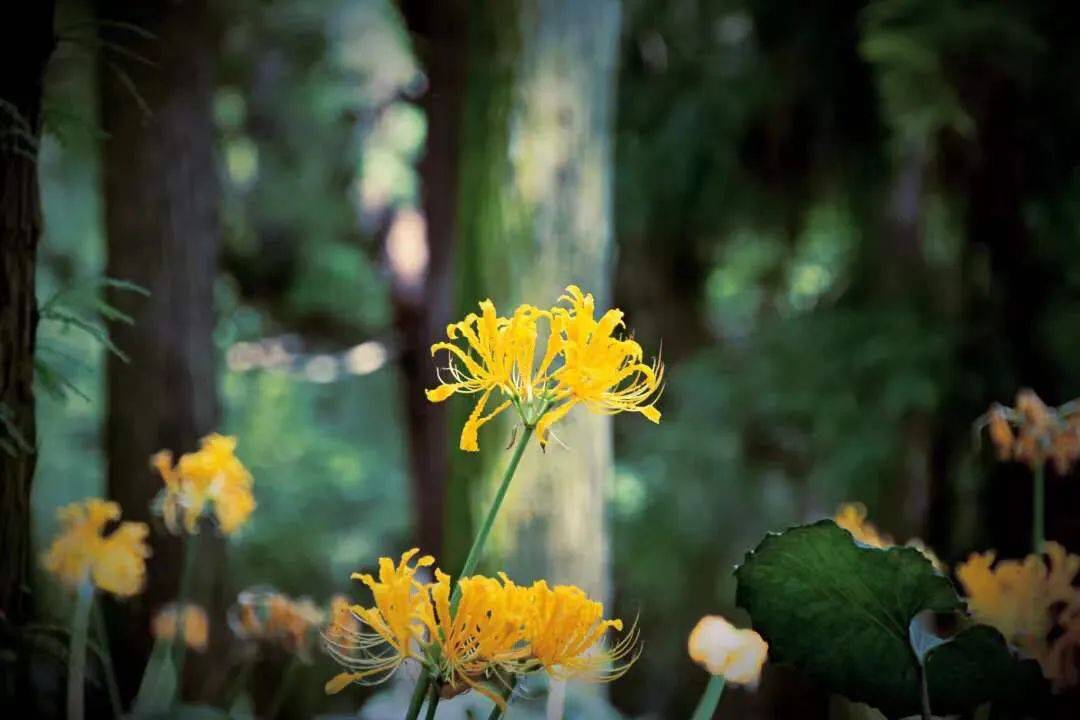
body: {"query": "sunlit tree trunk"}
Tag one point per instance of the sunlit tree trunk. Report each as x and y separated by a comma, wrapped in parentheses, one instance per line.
(536, 216)
(161, 217)
(25, 47)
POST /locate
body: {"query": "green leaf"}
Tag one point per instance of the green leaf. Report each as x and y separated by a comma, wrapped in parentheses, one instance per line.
(854, 618)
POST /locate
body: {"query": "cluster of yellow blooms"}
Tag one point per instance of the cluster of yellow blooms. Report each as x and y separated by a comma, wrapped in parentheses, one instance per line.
(1033, 433)
(84, 553)
(194, 621)
(498, 631)
(264, 615)
(583, 363)
(852, 517)
(211, 475)
(724, 650)
(1033, 602)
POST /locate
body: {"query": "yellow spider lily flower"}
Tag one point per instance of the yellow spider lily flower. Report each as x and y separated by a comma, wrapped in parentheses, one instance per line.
(397, 622)
(82, 552)
(565, 629)
(196, 626)
(724, 650)
(600, 371)
(1026, 600)
(498, 355)
(486, 636)
(213, 474)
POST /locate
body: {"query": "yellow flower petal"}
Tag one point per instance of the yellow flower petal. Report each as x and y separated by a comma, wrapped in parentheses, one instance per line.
(722, 649)
(339, 682)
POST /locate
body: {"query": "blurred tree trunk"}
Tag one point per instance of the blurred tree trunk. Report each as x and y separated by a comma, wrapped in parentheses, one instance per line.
(25, 47)
(421, 310)
(161, 218)
(536, 216)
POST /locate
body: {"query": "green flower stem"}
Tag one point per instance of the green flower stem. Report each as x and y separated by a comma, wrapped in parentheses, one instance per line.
(1038, 524)
(284, 686)
(179, 648)
(80, 624)
(497, 711)
(422, 684)
(433, 701)
(106, 660)
(925, 695)
(477, 548)
(710, 698)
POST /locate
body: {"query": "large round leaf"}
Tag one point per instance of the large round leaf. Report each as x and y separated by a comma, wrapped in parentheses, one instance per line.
(843, 613)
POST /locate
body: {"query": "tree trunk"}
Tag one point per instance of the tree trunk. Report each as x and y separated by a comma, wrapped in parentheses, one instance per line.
(25, 47)
(421, 310)
(161, 218)
(536, 216)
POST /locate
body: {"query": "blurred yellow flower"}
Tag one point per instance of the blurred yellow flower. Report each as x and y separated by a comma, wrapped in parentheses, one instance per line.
(724, 650)
(397, 621)
(498, 630)
(213, 474)
(565, 629)
(582, 363)
(82, 552)
(264, 615)
(1033, 433)
(196, 626)
(1025, 600)
(852, 517)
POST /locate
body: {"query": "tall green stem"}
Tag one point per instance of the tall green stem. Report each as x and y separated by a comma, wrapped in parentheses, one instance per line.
(477, 548)
(180, 636)
(710, 698)
(419, 692)
(1038, 524)
(80, 624)
(926, 714)
(283, 688)
(106, 660)
(497, 711)
(433, 701)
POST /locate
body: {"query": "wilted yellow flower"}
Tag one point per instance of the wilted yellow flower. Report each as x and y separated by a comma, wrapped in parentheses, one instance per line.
(565, 629)
(724, 650)
(213, 474)
(852, 517)
(196, 626)
(342, 624)
(82, 552)
(264, 615)
(604, 373)
(397, 621)
(1025, 600)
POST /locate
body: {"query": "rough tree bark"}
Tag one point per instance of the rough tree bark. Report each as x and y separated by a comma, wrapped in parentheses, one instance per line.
(161, 217)
(421, 311)
(25, 47)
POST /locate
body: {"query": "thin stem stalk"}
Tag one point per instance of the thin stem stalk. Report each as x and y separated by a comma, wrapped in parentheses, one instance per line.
(710, 699)
(925, 695)
(419, 692)
(179, 649)
(1038, 520)
(284, 686)
(473, 558)
(497, 711)
(433, 701)
(106, 660)
(80, 625)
